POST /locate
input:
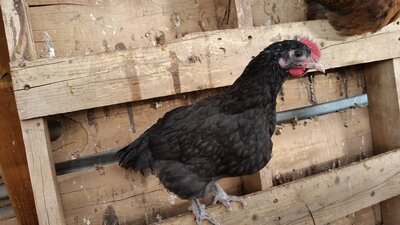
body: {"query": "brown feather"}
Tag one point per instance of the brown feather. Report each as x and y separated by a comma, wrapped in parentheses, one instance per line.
(353, 17)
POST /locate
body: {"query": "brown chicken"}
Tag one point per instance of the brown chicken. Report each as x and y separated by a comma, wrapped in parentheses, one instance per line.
(353, 17)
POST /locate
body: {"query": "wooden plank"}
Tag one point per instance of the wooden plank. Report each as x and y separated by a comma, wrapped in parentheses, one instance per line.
(383, 85)
(18, 30)
(136, 199)
(367, 216)
(12, 153)
(12, 221)
(4, 57)
(206, 60)
(316, 200)
(64, 25)
(266, 13)
(321, 144)
(35, 133)
(13, 159)
(42, 172)
(243, 12)
(226, 14)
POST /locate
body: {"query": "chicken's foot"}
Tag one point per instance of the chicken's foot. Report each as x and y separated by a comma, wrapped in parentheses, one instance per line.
(200, 213)
(225, 199)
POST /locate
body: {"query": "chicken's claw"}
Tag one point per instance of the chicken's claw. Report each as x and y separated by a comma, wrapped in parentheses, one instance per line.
(225, 199)
(200, 213)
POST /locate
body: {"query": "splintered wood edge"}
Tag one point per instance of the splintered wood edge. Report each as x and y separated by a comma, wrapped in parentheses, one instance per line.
(319, 199)
(196, 62)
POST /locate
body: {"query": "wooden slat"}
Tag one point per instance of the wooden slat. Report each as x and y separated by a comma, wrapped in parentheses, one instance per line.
(4, 58)
(316, 200)
(206, 60)
(12, 152)
(35, 132)
(12, 221)
(18, 31)
(266, 13)
(243, 12)
(226, 14)
(383, 85)
(41, 167)
(13, 159)
(64, 25)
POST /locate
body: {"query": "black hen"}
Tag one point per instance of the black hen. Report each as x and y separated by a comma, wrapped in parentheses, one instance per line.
(226, 135)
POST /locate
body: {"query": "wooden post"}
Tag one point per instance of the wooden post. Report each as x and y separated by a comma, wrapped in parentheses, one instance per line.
(35, 131)
(12, 153)
(13, 159)
(383, 87)
(41, 167)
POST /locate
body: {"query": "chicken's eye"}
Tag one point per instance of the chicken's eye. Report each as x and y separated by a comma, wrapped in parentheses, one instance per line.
(298, 54)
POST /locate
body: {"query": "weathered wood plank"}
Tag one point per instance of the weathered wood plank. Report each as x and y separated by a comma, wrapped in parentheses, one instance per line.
(12, 221)
(266, 13)
(18, 30)
(316, 200)
(35, 133)
(63, 26)
(136, 199)
(243, 12)
(383, 85)
(4, 57)
(226, 14)
(42, 172)
(199, 61)
(13, 158)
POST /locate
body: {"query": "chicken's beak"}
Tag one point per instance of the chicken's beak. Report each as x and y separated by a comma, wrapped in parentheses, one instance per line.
(315, 65)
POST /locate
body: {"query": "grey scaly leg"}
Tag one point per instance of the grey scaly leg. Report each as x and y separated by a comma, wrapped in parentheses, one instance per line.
(200, 213)
(225, 199)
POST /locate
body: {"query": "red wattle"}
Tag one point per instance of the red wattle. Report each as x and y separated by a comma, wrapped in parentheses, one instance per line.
(297, 72)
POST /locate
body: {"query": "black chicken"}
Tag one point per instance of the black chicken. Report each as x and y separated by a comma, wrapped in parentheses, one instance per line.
(226, 135)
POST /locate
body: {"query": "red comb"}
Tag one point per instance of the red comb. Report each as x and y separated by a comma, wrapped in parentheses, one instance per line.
(315, 52)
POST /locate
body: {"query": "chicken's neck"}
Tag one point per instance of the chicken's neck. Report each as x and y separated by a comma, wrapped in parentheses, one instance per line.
(257, 87)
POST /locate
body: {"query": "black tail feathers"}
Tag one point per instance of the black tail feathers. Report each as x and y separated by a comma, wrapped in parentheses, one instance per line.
(136, 155)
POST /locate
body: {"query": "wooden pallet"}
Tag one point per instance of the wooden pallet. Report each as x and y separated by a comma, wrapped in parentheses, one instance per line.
(198, 61)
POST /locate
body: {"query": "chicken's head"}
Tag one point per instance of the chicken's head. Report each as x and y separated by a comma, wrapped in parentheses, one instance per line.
(300, 56)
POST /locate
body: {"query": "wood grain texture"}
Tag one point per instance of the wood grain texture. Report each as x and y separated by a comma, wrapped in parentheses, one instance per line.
(316, 200)
(64, 25)
(383, 85)
(226, 14)
(244, 14)
(4, 57)
(269, 12)
(136, 199)
(13, 161)
(42, 172)
(12, 221)
(18, 30)
(206, 60)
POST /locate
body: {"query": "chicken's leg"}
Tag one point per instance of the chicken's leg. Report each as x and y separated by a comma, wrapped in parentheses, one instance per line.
(225, 199)
(200, 213)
